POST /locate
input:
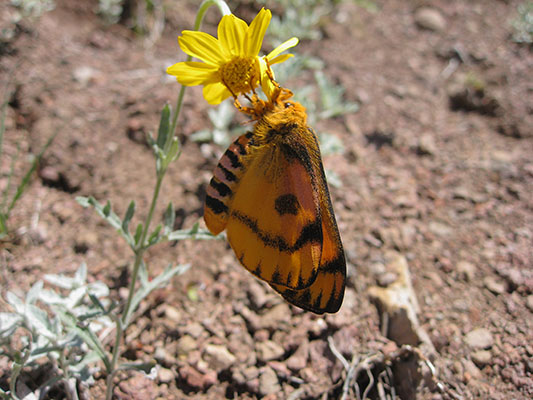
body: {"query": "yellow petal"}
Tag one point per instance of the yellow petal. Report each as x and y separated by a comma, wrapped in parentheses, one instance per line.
(279, 59)
(215, 93)
(191, 73)
(266, 82)
(256, 32)
(282, 47)
(201, 45)
(231, 34)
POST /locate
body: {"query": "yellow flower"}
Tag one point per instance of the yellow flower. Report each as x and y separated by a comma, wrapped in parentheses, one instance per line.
(231, 64)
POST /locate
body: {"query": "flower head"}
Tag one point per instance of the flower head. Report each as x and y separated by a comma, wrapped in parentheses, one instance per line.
(231, 64)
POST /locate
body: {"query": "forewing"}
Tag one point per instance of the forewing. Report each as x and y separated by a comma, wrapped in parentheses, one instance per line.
(326, 293)
(274, 223)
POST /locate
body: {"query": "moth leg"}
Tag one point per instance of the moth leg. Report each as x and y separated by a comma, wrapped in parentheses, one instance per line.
(280, 93)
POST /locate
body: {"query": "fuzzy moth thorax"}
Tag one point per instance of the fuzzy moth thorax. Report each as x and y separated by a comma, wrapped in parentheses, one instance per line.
(283, 119)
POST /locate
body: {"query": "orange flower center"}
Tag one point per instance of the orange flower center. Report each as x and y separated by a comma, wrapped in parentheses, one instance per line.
(240, 75)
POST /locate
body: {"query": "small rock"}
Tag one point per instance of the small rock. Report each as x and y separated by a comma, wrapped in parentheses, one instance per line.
(440, 229)
(298, 360)
(197, 380)
(163, 357)
(218, 357)
(185, 345)
(426, 145)
(268, 382)
(466, 270)
(529, 302)
(480, 338)
(194, 329)
(464, 193)
(38, 234)
(495, 285)
(481, 357)
(84, 74)
(268, 351)
(471, 371)
(165, 375)
(276, 316)
(257, 295)
(398, 302)
(386, 279)
(173, 314)
(430, 18)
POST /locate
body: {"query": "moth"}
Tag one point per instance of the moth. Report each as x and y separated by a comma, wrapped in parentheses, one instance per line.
(269, 193)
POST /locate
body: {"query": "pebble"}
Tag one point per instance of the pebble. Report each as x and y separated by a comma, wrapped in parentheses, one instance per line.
(471, 371)
(466, 270)
(195, 379)
(276, 316)
(496, 286)
(481, 357)
(298, 360)
(387, 279)
(268, 351)
(185, 345)
(529, 302)
(84, 74)
(165, 375)
(440, 229)
(268, 382)
(479, 338)
(173, 314)
(218, 357)
(430, 18)
(426, 145)
(162, 356)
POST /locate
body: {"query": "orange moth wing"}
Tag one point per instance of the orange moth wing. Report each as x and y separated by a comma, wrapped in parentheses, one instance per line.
(270, 194)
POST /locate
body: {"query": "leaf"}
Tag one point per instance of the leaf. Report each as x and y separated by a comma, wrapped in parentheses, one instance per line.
(75, 297)
(80, 277)
(145, 367)
(129, 215)
(138, 233)
(164, 127)
(98, 289)
(62, 281)
(71, 322)
(331, 97)
(330, 144)
(169, 217)
(192, 233)
(154, 236)
(9, 322)
(15, 302)
(143, 274)
(26, 179)
(50, 297)
(39, 322)
(148, 286)
(33, 293)
(108, 214)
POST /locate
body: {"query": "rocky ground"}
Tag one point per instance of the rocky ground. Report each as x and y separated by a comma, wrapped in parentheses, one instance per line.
(433, 204)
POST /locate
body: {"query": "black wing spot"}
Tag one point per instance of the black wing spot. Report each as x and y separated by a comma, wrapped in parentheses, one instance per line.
(287, 204)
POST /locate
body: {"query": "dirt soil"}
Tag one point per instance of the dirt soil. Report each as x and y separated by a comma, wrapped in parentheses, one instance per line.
(437, 167)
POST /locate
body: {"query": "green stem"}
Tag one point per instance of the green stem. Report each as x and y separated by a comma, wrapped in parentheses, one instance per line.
(141, 247)
(123, 322)
(112, 368)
